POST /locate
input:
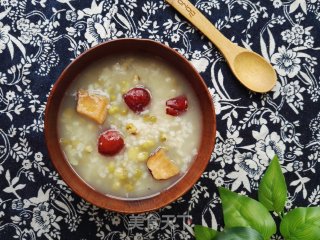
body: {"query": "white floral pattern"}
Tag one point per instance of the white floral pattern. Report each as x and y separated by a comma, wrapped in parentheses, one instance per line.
(38, 38)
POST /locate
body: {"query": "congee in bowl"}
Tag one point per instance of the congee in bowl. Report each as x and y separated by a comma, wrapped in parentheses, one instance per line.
(130, 125)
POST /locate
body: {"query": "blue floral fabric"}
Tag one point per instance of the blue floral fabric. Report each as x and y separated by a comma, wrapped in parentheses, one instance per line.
(39, 38)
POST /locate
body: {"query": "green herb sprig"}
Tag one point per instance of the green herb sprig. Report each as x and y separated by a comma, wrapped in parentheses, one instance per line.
(248, 219)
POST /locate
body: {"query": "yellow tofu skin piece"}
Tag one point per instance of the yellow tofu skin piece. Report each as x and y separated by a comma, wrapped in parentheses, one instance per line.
(93, 106)
(161, 166)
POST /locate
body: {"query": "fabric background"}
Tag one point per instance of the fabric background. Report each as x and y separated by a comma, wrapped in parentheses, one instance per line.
(39, 38)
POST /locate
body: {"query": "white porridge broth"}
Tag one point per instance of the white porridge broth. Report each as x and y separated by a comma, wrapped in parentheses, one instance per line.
(126, 174)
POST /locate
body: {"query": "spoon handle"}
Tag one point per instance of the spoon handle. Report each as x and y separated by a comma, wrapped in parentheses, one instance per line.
(190, 12)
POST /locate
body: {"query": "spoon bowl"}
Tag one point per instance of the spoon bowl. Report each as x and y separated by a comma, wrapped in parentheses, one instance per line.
(251, 69)
(254, 71)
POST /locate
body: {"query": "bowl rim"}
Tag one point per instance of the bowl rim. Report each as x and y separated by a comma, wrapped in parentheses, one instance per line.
(109, 202)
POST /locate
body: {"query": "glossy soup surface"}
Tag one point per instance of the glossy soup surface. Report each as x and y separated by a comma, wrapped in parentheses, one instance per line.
(122, 175)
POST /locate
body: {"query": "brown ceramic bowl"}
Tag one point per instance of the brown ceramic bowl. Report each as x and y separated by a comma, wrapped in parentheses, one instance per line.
(71, 177)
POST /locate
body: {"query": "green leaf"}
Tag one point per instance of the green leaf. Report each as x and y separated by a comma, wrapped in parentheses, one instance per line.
(242, 211)
(239, 233)
(204, 233)
(273, 189)
(301, 224)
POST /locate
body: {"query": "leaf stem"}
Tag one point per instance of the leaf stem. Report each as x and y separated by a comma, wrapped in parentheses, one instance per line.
(280, 214)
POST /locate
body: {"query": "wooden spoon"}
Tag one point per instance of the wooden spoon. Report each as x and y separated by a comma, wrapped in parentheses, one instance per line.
(251, 69)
